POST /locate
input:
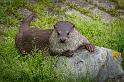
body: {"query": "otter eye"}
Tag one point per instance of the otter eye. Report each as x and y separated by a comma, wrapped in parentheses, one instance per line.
(58, 33)
(68, 33)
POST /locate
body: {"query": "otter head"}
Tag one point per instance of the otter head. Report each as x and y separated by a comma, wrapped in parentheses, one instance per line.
(63, 30)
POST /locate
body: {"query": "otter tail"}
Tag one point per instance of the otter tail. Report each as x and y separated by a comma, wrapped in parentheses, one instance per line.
(26, 23)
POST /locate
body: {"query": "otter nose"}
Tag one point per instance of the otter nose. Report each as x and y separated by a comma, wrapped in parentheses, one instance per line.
(62, 40)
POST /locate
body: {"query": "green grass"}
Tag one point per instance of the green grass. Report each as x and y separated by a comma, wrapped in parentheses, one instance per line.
(84, 11)
(16, 68)
(37, 67)
(101, 34)
(13, 66)
(112, 12)
(8, 11)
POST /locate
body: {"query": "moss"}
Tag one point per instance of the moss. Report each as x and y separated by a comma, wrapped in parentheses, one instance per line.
(83, 10)
(119, 2)
(112, 12)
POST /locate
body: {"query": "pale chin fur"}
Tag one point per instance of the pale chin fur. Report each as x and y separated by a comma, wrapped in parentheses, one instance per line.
(73, 42)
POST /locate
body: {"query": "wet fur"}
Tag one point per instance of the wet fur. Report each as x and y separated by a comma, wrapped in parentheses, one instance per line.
(74, 40)
(29, 38)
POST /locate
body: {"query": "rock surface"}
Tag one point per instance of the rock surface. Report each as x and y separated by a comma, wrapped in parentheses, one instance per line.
(89, 65)
(103, 10)
(25, 12)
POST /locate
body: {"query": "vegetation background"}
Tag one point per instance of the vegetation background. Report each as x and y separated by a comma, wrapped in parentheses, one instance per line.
(36, 67)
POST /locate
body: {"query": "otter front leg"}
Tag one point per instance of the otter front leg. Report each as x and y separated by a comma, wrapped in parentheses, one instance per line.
(68, 53)
(88, 46)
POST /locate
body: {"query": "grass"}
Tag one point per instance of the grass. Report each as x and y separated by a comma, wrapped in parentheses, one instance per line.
(8, 11)
(37, 67)
(101, 33)
(119, 2)
(84, 11)
(16, 68)
(112, 12)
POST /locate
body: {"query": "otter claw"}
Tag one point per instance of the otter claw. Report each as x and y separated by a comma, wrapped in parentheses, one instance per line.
(90, 47)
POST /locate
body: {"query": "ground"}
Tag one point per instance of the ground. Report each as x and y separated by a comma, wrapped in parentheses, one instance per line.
(102, 22)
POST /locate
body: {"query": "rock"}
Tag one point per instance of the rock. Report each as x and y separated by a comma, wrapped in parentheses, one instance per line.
(33, 1)
(104, 10)
(94, 11)
(122, 16)
(118, 78)
(120, 3)
(25, 12)
(77, 13)
(106, 4)
(105, 17)
(56, 1)
(85, 65)
(81, 3)
(121, 11)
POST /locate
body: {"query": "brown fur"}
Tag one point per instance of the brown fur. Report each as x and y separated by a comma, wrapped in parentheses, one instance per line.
(63, 39)
(29, 38)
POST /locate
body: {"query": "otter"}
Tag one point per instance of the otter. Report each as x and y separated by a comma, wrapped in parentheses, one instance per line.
(30, 38)
(65, 39)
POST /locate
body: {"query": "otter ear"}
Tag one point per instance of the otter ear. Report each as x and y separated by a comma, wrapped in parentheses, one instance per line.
(54, 26)
(73, 26)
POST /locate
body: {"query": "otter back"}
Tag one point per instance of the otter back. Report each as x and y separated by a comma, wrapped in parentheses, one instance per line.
(29, 38)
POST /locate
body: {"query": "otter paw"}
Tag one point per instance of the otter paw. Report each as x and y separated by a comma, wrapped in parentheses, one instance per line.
(68, 53)
(90, 47)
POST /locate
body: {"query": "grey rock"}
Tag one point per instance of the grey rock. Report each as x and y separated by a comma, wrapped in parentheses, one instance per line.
(33, 1)
(121, 11)
(77, 13)
(98, 9)
(122, 16)
(106, 4)
(25, 12)
(81, 3)
(84, 64)
(118, 78)
(105, 17)
(94, 10)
